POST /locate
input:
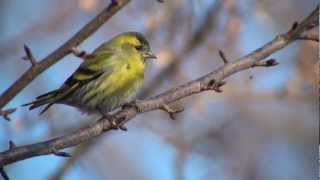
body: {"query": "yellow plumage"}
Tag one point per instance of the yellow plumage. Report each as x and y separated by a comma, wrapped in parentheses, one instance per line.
(113, 73)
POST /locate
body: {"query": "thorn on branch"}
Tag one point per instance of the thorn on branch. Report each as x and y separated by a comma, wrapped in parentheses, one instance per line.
(217, 86)
(271, 62)
(29, 56)
(4, 174)
(171, 111)
(213, 85)
(12, 145)
(267, 63)
(81, 54)
(294, 26)
(5, 113)
(61, 153)
(114, 2)
(223, 56)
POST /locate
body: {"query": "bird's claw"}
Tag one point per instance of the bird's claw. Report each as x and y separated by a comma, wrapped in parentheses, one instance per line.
(115, 125)
(113, 122)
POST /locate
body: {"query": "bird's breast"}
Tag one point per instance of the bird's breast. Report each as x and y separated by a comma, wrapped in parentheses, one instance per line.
(112, 90)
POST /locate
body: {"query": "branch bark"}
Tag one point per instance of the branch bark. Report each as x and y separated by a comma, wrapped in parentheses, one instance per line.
(62, 51)
(312, 36)
(157, 102)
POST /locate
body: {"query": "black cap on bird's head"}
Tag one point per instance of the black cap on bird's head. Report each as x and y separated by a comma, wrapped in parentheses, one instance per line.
(139, 42)
(145, 47)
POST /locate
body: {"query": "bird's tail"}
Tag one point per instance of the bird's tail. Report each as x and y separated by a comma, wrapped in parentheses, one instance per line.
(47, 99)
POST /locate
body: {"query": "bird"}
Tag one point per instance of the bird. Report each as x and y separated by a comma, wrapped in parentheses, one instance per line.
(107, 78)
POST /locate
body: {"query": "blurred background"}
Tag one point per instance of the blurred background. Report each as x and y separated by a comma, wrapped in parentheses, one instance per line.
(263, 126)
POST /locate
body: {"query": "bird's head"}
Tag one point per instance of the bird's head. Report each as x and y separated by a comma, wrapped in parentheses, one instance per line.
(134, 41)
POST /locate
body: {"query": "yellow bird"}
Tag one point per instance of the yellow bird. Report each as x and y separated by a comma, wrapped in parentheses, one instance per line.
(107, 79)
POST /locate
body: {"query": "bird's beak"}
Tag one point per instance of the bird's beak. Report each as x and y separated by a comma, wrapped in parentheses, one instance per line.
(150, 55)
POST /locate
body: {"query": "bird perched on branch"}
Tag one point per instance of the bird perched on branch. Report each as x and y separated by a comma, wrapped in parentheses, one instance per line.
(107, 78)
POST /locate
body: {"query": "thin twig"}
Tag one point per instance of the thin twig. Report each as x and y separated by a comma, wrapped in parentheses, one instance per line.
(12, 145)
(223, 56)
(29, 56)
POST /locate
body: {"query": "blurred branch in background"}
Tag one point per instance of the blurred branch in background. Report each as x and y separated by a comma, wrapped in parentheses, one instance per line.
(79, 152)
(211, 81)
(194, 41)
(53, 21)
(62, 51)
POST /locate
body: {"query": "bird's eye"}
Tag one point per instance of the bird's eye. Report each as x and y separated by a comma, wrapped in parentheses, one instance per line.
(139, 47)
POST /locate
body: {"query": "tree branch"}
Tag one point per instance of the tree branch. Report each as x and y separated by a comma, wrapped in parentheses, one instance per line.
(5, 113)
(61, 52)
(157, 102)
(312, 36)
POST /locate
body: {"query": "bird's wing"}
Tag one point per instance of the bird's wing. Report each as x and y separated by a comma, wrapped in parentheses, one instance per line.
(80, 77)
(89, 70)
